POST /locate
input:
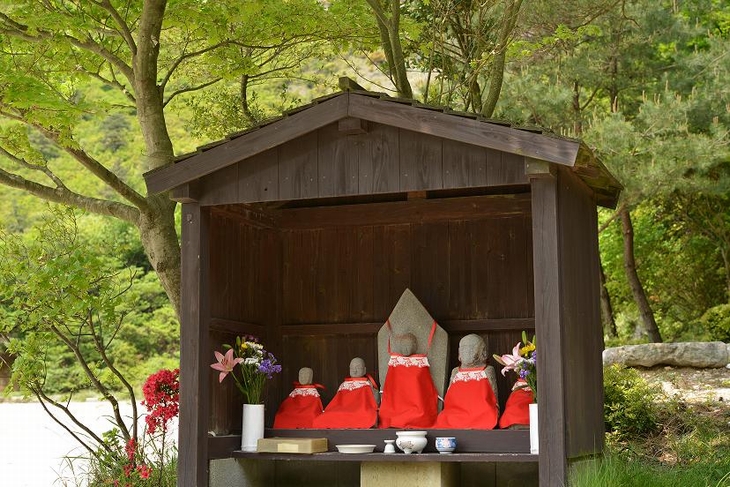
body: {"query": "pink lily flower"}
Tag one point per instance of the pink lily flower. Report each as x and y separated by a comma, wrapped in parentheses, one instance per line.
(225, 363)
(510, 362)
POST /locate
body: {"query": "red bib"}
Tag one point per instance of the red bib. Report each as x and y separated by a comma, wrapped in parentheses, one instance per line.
(470, 402)
(300, 408)
(516, 411)
(409, 397)
(352, 407)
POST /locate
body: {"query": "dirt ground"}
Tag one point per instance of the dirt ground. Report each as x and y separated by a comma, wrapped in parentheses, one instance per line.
(692, 385)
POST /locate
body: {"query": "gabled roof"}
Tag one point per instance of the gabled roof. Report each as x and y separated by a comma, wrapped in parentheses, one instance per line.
(382, 109)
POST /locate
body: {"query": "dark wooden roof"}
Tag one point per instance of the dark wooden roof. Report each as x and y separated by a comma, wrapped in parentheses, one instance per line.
(382, 109)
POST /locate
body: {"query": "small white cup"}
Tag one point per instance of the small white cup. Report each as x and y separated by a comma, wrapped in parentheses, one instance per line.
(445, 444)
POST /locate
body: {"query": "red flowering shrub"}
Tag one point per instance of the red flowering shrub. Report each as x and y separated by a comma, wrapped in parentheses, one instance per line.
(161, 398)
(131, 448)
(150, 459)
(135, 470)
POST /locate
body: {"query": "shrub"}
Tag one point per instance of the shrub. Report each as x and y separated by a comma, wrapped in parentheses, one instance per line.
(717, 321)
(151, 461)
(628, 403)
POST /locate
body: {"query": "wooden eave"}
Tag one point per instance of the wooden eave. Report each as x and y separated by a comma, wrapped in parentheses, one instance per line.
(381, 109)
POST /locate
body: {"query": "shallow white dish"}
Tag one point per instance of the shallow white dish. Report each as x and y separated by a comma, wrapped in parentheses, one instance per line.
(355, 448)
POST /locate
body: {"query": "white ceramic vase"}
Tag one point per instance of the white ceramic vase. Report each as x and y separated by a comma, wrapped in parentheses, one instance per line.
(411, 441)
(253, 426)
(534, 436)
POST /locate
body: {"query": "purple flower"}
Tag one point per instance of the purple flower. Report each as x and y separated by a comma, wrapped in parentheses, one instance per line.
(269, 367)
(524, 373)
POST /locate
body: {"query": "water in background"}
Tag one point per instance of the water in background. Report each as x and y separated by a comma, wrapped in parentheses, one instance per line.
(32, 445)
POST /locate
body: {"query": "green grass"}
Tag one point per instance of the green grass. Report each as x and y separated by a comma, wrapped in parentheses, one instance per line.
(689, 447)
(615, 471)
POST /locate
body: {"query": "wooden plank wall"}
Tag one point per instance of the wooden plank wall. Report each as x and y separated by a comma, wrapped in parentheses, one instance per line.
(327, 162)
(340, 284)
(244, 261)
(318, 296)
(581, 319)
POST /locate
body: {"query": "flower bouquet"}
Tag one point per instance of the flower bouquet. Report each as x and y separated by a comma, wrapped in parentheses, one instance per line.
(522, 360)
(255, 366)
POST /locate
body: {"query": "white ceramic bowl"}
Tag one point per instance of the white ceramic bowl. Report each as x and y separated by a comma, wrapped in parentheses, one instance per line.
(355, 448)
(411, 441)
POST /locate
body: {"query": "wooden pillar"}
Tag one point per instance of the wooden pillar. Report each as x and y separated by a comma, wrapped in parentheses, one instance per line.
(194, 353)
(548, 311)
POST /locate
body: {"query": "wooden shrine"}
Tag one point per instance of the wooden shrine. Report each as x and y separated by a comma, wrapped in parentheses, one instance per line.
(305, 231)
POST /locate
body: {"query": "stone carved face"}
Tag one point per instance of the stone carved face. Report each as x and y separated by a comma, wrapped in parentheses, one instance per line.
(405, 344)
(472, 351)
(357, 367)
(306, 375)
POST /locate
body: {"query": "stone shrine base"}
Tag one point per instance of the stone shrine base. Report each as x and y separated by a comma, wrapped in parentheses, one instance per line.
(421, 474)
(312, 473)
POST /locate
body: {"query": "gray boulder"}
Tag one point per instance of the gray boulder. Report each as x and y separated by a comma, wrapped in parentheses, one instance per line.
(686, 354)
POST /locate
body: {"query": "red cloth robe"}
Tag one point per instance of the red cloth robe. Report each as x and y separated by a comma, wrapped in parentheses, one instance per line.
(353, 406)
(409, 398)
(516, 411)
(300, 407)
(470, 402)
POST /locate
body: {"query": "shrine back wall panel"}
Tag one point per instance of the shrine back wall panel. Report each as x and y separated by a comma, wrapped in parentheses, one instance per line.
(244, 283)
(318, 296)
(340, 284)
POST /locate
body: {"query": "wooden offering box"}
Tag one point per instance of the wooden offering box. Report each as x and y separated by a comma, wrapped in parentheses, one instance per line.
(292, 445)
(306, 230)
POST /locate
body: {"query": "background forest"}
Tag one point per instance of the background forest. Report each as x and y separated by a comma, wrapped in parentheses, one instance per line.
(95, 93)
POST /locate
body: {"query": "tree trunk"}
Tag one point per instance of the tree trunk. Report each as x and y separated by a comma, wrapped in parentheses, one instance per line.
(609, 323)
(647, 315)
(159, 239)
(157, 219)
(390, 39)
(496, 74)
(726, 262)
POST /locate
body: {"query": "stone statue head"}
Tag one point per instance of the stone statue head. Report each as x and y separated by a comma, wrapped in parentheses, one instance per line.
(405, 344)
(357, 367)
(472, 351)
(306, 375)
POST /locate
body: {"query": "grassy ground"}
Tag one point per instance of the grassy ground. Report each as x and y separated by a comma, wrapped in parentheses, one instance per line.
(688, 447)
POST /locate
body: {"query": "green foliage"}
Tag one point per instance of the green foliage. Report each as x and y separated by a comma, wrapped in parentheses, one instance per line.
(151, 462)
(72, 310)
(628, 403)
(689, 446)
(688, 443)
(717, 321)
(679, 244)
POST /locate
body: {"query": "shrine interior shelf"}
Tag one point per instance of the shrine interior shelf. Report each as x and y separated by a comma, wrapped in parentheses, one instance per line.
(472, 446)
(393, 457)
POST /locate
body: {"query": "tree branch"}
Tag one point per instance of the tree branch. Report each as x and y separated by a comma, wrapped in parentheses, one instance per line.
(100, 347)
(43, 399)
(108, 177)
(91, 164)
(608, 222)
(98, 385)
(70, 198)
(112, 82)
(125, 32)
(189, 89)
(20, 31)
(187, 56)
(34, 167)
